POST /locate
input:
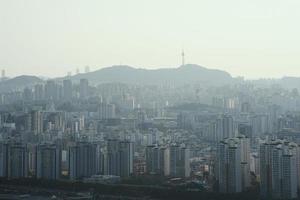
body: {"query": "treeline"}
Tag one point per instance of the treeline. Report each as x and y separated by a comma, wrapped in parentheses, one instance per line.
(153, 192)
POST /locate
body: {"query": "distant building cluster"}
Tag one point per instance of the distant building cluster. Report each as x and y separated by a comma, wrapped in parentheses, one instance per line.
(49, 161)
(173, 160)
(232, 138)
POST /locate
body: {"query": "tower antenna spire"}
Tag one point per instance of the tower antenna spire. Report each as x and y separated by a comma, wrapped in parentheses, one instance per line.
(182, 56)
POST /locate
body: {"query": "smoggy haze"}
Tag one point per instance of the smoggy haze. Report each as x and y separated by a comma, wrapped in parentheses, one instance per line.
(258, 38)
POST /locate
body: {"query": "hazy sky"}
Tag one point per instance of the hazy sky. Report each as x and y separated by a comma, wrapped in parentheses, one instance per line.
(252, 38)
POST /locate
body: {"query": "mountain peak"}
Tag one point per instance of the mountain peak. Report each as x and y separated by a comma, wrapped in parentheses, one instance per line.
(116, 67)
(191, 66)
(19, 82)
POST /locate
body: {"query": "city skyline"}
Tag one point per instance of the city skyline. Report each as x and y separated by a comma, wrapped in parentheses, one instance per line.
(116, 128)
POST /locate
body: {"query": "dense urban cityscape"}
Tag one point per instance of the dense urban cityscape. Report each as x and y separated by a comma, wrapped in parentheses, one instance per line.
(149, 100)
(205, 137)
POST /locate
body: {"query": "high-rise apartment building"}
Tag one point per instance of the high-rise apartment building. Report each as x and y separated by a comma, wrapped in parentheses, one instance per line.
(48, 161)
(51, 92)
(39, 93)
(17, 161)
(4, 150)
(36, 120)
(155, 160)
(67, 90)
(279, 169)
(119, 158)
(225, 127)
(178, 164)
(82, 160)
(83, 89)
(107, 111)
(233, 164)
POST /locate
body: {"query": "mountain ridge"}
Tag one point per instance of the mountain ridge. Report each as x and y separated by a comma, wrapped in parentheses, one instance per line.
(185, 74)
(189, 73)
(19, 83)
